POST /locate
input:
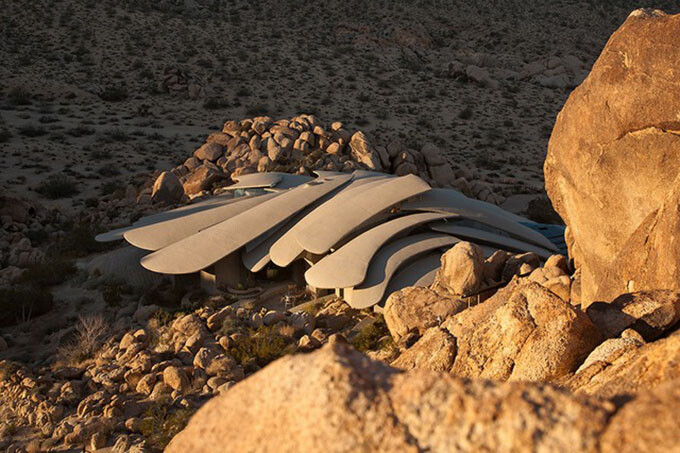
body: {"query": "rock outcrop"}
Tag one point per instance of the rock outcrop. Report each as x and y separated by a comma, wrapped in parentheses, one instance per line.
(630, 369)
(303, 144)
(524, 332)
(351, 403)
(612, 165)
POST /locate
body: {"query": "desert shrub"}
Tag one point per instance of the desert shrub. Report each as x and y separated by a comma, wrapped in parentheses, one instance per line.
(5, 135)
(19, 96)
(465, 114)
(18, 304)
(262, 345)
(31, 131)
(114, 94)
(53, 271)
(90, 334)
(57, 186)
(79, 241)
(160, 424)
(257, 110)
(370, 338)
(215, 104)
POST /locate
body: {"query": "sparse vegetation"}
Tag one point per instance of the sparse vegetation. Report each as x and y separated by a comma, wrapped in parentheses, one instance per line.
(57, 186)
(90, 333)
(161, 423)
(262, 346)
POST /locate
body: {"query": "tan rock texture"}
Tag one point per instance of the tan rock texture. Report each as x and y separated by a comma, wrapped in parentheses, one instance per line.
(648, 423)
(524, 332)
(413, 310)
(338, 400)
(633, 371)
(612, 164)
(436, 351)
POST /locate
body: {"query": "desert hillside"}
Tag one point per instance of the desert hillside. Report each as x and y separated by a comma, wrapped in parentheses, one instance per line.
(82, 81)
(349, 225)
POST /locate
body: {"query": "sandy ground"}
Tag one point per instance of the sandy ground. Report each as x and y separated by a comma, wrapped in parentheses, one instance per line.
(374, 65)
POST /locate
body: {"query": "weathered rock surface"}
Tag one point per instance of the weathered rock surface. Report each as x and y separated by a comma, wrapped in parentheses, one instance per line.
(648, 423)
(612, 164)
(413, 310)
(462, 270)
(436, 350)
(632, 371)
(524, 332)
(351, 403)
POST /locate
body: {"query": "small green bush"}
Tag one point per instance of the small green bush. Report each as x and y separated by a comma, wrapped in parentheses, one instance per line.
(53, 271)
(263, 345)
(368, 339)
(160, 424)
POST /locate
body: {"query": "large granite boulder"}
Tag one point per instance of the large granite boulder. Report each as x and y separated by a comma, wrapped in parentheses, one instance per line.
(613, 160)
(338, 400)
(524, 332)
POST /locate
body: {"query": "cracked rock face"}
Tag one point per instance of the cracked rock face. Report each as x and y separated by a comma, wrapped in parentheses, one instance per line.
(612, 165)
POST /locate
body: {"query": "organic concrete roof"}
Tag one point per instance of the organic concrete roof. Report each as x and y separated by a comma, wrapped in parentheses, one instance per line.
(355, 256)
(503, 242)
(319, 235)
(449, 200)
(288, 248)
(159, 235)
(386, 262)
(205, 248)
(360, 232)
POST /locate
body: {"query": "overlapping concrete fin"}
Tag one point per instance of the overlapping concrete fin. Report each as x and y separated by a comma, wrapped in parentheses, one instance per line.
(205, 248)
(286, 249)
(388, 260)
(449, 200)
(159, 235)
(355, 256)
(503, 242)
(115, 235)
(318, 235)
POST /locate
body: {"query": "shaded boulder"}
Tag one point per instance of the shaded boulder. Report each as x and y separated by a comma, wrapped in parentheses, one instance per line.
(612, 165)
(201, 179)
(411, 311)
(167, 189)
(632, 371)
(351, 403)
(650, 313)
(210, 151)
(524, 332)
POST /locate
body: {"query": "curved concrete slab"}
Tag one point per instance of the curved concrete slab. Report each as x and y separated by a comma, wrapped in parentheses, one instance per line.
(387, 261)
(503, 242)
(448, 200)
(348, 265)
(256, 181)
(420, 272)
(318, 235)
(287, 249)
(159, 235)
(205, 248)
(117, 234)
